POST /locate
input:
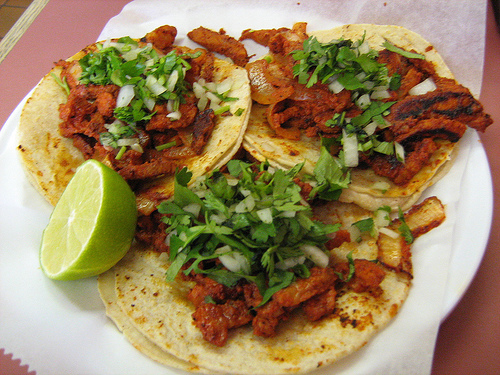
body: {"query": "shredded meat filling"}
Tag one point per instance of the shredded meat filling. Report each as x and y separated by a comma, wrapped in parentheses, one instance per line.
(90, 108)
(449, 101)
(221, 43)
(218, 308)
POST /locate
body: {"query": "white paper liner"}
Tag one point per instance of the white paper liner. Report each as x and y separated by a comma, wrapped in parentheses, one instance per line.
(61, 327)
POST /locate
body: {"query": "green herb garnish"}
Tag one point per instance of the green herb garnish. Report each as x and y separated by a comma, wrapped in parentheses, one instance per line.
(253, 220)
(331, 176)
(366, 225)
(63, 83)
(404, 229)
(411, 55)
(353, 64)
(352, 269)
(154, 79)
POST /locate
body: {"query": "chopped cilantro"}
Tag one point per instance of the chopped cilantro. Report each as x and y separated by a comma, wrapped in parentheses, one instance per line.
(154, 78)
(63, 83)
(366, 225)
(353, 65)
(166, 146)
(404, 229)
(331, 177)
(254, 213)
(352, 269)
(239, 111)
(391, 47)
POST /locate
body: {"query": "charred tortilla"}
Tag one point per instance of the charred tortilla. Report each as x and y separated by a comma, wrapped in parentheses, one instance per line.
(50, 158)
(367, 189)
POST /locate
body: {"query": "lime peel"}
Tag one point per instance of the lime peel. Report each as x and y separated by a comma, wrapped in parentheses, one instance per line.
(92, 226)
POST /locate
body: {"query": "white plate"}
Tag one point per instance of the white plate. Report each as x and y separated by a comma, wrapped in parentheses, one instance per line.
(61, 327)
(40, 318)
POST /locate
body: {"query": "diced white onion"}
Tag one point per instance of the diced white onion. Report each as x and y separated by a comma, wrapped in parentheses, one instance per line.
(381, 219)
(361, 76)
(317, 255)
(370, 128)
(335, 87)
(218, 218)
(211, 86)
(350, 143)
(131, 55)
(153, 85)
(363, 101)
(118, 46)
(202, 82)
(114, 126)
(183, 236)
(126, 142)
(149, 62)
(233, 261)
(364, 48)
(198, 90)
(214, 106)
(245, 205)
(225, 86)
(170, 105)
(232, 181)
(423, 87)
(202, 103)
(290, 262)
(266, 215)
(249, 202)
(106, 43)
(288, 214)
(167, 239)
(380, 94)
(193, 208)
(172, 80)
(213, 98)
(369, 85)
(149, 103)
(174, 115)
(399, 151)
(137, 147)
(245, 192)
(201, 193)
(389, 232)
(125, 96)
(240, 207)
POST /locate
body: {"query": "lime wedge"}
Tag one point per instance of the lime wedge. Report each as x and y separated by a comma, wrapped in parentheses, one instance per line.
(91, 227)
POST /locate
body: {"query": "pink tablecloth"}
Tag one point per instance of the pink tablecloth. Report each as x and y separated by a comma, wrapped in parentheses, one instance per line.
(468, 341)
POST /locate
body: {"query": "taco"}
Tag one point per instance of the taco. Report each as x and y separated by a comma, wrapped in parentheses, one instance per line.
(379, 97)
(313, 322)
(144, 107)
(201, 303)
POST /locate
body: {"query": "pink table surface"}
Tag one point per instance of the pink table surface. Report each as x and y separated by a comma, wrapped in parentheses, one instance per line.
(469, 339)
